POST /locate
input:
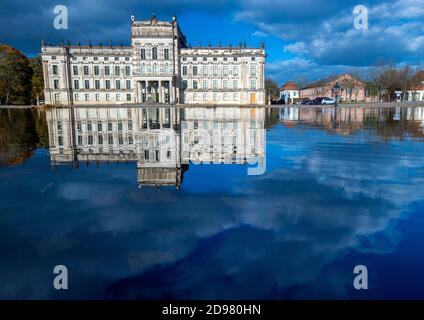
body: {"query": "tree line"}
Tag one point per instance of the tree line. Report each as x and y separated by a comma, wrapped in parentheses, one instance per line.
(21, 78)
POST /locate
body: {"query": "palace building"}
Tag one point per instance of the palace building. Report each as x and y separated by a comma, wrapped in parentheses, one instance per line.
(159, 67)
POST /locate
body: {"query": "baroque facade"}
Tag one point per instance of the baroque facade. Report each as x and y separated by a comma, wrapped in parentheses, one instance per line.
(158, 67)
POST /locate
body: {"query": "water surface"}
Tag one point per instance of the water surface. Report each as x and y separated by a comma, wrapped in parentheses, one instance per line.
(205, 203)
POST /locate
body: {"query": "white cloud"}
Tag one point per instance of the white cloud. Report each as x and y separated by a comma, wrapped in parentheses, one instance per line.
(260, 34)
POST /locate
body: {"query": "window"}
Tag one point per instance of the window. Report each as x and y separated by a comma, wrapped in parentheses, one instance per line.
(252, 84)
(107, 71)
(97, 84)
(194, 70)
(118, 97)
(128, 97)
(107, 84)
(109, 126)
(235, 59)
(252, 71)
(55, 70)
(128, 84)
(130, 140)
(166, 69)
(184, 70)
(166, 54)
(75, 70)
(110, 138)
(89, 126)
(120, 126)
(225, 96)
(225, 84)
(127, 58)
(56, 84)
(235, 96)
(86, 84)
(225, 71)
(143, 54)
(127, 70)
(155, 69)
(85, 68)
(215, 97)
(118, 84)
(205, 84)
(87, 97)
(154, 53)
(107, 96)
(76, 84)
(205, 70)
(116, 58)
(76, 97)
(205, 96)
(90, 140)
(60, 140)
(79, 140)
(235, 71)
(194, 84)
(100, 139)
(215, 84)
(215, 59)
(235, 84)
(97, 97)
(185, 85)
(96, 70)
(130, 125)
(253, 58)
(117, 71)
(99, 126)
(215, 70)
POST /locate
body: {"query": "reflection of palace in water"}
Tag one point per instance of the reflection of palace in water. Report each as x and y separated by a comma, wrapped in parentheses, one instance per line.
(161, 141)
(347, 120)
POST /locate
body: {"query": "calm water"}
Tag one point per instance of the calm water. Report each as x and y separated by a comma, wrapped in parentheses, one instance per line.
(212, 202)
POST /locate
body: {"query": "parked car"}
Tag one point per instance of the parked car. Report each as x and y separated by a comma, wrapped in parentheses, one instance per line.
(327, 100)
(323, 101)
(303, 101)
(318, 101)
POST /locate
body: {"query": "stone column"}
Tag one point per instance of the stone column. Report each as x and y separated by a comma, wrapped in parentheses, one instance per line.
(171, 92)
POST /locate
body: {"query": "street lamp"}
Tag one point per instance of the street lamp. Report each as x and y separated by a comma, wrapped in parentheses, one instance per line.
(336, 90)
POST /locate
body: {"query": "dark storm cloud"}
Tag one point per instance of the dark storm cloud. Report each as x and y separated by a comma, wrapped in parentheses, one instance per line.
(320, 32)
(24, 26)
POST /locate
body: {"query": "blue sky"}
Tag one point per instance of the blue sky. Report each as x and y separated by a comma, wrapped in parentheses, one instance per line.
(304, 38)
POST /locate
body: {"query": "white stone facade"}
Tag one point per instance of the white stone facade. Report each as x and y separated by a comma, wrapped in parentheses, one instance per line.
(158, 67)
